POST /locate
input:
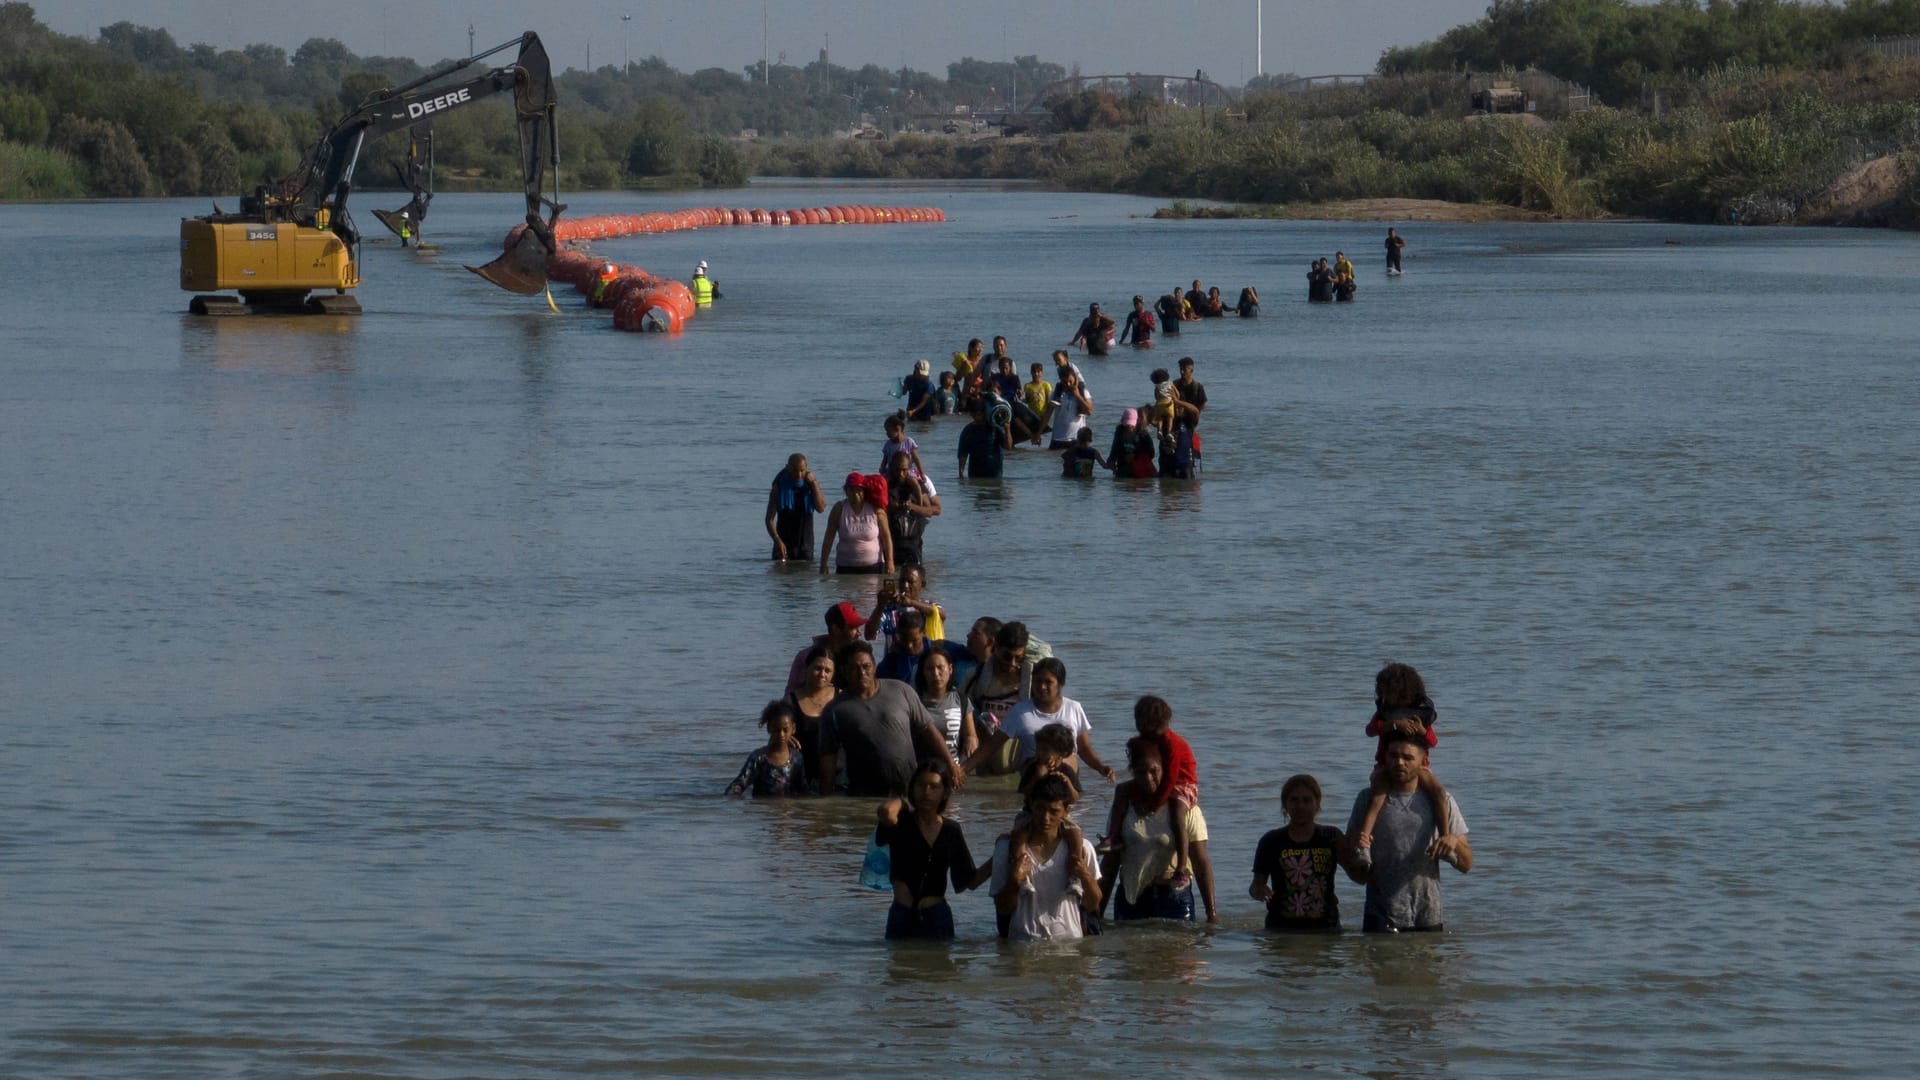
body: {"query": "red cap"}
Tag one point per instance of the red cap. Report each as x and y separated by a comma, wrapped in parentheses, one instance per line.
(845, 614)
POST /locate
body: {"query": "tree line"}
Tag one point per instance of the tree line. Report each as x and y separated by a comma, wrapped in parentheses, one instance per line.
(132, 112)
(1711, 110)
(1623, 50)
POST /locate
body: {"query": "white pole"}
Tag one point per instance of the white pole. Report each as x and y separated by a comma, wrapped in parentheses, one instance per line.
(626, 45)
(1259, 38)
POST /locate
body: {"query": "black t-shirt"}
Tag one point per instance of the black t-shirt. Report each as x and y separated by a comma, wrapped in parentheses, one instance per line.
(918, 388)
(1302, 877)
(926, 868)
(1169, 311)
(1193, 394)
(807, 729)
(1094, 329)
(980, 449)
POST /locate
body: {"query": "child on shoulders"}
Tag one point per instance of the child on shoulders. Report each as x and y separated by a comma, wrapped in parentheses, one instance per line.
(1153, 719)
(899, 442)
(1053, 748)
(1399, 692)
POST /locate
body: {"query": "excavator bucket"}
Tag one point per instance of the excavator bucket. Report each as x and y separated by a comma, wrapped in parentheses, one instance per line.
(391, 219)
(521, 268)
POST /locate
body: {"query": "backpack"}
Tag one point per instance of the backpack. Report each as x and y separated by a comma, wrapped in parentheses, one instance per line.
(1178, 453)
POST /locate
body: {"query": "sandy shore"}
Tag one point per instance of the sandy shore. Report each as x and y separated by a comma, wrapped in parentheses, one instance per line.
(1389, 210)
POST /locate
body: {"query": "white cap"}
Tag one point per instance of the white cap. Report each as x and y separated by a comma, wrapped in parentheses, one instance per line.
(703, 264)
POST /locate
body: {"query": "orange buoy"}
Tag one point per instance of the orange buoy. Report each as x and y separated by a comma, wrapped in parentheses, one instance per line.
(680, 296)
(643, 311)
(658, 306)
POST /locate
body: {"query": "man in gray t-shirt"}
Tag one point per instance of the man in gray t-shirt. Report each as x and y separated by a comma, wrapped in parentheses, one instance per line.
(1402, 870)
(877, 722)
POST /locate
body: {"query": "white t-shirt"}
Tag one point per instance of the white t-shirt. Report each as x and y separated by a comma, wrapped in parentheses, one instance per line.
(1025, 720)
(1067, 418)
(1048, 907)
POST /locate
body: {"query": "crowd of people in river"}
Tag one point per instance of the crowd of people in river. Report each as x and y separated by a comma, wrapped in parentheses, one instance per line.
(910, 724)
(881, 520)
(1158, 438)
(909, 727)
(1098, 333)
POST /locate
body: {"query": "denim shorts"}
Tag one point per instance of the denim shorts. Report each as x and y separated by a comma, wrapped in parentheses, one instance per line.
(931, 923)
(1155, 902)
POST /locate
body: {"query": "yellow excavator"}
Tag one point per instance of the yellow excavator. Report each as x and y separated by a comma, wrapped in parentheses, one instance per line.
(292, 248)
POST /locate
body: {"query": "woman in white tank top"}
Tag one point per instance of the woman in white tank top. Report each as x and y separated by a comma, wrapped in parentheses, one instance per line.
(865, 543)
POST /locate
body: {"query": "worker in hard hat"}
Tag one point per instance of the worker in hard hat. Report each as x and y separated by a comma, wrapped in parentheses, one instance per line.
(406, 230)
(704, 290)
(608, 275)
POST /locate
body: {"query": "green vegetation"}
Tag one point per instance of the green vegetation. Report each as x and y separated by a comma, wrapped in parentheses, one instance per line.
(33, 172)
(1746, 111)
(1706, 110)
(135, 113)
(1757, 143)
(1624, 50)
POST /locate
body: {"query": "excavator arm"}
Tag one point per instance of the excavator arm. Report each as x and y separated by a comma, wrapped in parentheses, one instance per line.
(417, 177)
(296, 236)
(325, 178)
(523, 267)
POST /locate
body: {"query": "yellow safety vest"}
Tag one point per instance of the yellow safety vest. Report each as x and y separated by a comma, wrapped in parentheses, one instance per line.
(702, 290)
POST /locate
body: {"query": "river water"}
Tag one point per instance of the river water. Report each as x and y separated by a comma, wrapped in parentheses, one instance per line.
(369, 683)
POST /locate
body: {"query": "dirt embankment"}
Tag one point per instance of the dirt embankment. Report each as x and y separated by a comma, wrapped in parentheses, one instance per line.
(1881, 192)
(1362, 210)
(1868, 195)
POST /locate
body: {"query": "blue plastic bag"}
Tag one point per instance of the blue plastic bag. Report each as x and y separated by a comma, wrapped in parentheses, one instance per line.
(876, 870)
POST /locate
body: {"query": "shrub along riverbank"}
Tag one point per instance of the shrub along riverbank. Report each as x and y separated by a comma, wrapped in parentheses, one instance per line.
(1791, 125)
(1738, 144)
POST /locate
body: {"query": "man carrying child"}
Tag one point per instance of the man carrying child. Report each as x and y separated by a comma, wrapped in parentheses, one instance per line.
(1401, 869)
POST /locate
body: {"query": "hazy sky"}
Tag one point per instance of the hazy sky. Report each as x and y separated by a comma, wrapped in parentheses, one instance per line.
(1167, 37)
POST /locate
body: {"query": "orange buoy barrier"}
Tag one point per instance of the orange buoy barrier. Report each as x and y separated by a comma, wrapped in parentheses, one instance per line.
(643, 310)
(641, 301)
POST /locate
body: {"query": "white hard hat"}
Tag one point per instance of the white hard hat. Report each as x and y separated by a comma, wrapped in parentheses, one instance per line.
(703, 264)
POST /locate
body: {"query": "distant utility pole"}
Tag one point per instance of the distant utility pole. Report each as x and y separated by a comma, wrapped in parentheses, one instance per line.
(626, 47)
(469, 39)
(763, 43)
(1013, 91)
(1259, 38)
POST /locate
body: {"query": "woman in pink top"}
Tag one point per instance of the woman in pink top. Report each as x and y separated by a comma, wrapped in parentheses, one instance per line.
(866, 544)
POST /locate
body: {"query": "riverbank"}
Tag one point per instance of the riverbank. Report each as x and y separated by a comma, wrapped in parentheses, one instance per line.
(1361, 210)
